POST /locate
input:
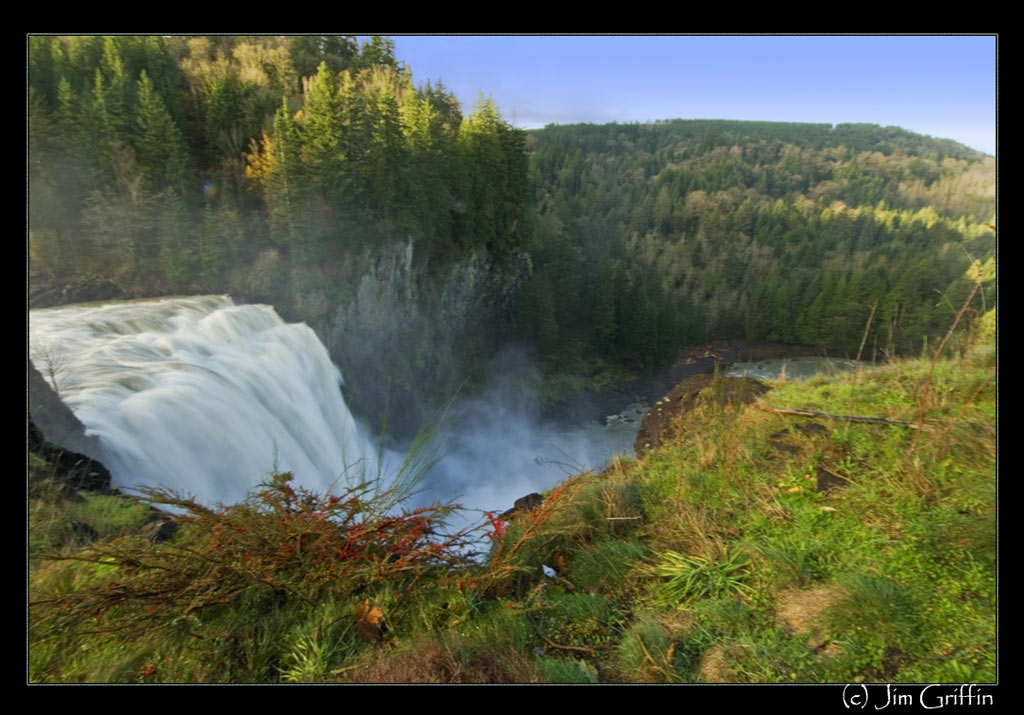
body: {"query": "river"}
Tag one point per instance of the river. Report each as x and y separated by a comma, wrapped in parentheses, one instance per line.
(208, 398)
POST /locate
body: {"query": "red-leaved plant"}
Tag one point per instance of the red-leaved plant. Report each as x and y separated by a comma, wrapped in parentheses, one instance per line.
(283, 540)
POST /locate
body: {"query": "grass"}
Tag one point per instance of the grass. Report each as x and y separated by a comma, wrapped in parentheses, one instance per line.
(690, 578)
(713, 559)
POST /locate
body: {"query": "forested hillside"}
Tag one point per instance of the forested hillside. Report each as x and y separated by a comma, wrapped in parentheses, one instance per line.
(652, 237)
(178, 164)
(745, 543)
(260, 165)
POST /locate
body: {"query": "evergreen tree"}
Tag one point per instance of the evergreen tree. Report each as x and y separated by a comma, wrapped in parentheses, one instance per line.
(321, 128)
(378, 51)
(159, 147)
(284, 176)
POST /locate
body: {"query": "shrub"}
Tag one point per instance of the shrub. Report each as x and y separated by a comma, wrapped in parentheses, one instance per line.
(283, 550)
(692, 577)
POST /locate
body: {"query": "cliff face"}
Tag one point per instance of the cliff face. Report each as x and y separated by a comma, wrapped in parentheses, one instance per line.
(60, 450)
(54, 419)
(407, 335)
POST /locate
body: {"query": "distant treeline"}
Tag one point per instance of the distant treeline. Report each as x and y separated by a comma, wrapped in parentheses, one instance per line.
(250, 163)
(177, 163)
(653, 237)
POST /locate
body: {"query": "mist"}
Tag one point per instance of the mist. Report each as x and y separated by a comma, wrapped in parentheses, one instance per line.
(497, 445)
(207, 398)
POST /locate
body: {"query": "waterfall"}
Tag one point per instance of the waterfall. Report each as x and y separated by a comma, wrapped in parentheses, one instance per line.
(200, 395)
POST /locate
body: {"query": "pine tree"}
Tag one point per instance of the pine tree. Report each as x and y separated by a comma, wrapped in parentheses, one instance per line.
(378, 51)
(321, 128)
(284, 175)
(159, 147)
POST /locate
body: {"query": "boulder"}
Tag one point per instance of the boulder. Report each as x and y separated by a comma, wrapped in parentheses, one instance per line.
(48, 292)
(159, 530)
(656, 426)
(58, 437)
(71, 471)
(827, 481)
(527, 503)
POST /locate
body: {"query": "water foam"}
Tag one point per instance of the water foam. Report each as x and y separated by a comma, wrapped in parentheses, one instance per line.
(201, 395)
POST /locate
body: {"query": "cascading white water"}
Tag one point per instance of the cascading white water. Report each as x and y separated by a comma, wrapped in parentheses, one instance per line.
(201, 395)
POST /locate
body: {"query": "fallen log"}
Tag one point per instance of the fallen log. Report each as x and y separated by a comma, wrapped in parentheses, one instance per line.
(848, 418)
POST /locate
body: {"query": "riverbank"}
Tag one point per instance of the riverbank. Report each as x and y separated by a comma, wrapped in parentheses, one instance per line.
(699, 360)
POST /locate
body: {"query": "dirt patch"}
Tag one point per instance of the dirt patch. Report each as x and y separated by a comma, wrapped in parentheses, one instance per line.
(656, 426)
(716, 665)
(452, 660)
(803, 611)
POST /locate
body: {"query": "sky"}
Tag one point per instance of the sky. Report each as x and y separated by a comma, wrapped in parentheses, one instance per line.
(943, 86)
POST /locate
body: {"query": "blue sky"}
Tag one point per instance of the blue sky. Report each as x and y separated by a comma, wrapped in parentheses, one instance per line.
(942, 86)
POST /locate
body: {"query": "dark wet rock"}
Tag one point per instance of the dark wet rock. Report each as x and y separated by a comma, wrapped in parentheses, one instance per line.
(57, 439)
(69, 470)
(52, 420)
(814, 429)
(50, 292)
(657, 425)
(527, 503)
(828, 481)
(159, 530)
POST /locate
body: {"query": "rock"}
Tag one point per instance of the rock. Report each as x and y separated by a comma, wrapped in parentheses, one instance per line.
(656, 426)
(58, 437)
(159, 530)
(47, 293)
(527, 503)
(52, 420)
(69, 470)
(828, 481)
(421, 327)
(814, 429)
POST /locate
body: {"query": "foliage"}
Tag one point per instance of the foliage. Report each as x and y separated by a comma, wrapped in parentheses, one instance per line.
(756, 577)
(283, 548)
(755, 230)
(303, 135)
(692, 577)
(568, 671)
(646, 238)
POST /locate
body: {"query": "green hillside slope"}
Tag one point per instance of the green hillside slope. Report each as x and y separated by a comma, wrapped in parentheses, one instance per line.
(750, 546)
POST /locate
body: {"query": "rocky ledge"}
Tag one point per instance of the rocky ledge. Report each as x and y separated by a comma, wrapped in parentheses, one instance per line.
(48, 292)
(657, 426)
